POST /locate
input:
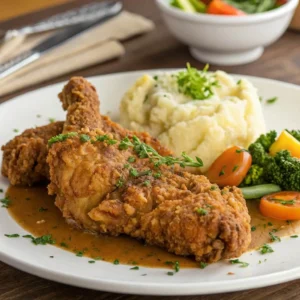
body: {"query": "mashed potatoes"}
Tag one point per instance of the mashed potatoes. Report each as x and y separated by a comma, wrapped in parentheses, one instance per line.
(203, 128)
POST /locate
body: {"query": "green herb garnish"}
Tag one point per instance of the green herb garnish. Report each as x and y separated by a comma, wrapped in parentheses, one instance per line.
(265, 249)
(14, 235)
(91, 261)
(120, 182)
(79, 253)
(42, 209)
(42, 240)
(51, 120)
(284, 202)
(145, 151)
(196, 84)
(61, 137)
(237, 261)
(116, 262)
(235, 168)
(131, 159)
(63, 244)
(157, 175)
(294, 236)
(170, 273)
(84, 138)
(105, 138)
(16, 130)
(272, 100)
(202, 212)
(274, 238)
(253, 228)
(146, 183)
(203, 265)
(135, 268)
(5, 202)
(222, 172)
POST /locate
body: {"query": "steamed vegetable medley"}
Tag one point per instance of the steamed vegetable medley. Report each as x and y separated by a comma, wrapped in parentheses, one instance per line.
(227, 7)
(269, 165)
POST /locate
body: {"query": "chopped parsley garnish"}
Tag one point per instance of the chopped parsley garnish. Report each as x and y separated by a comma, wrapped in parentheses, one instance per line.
(196, 84)
(116, 262)
(155, 77)
(127, 166)
(157, 175)
(270, 224)
(14, 235)
(97, 258)
(146, 183)
(237, 261)
(16, 130)
(79, 253)
(145, 151)
(213, 188)
(42, 240)
(253, 228)
(1, 190)
(63, 244)
(134, 172)
(131, 159)
(61, 137)
(265, 249)
(203, 265)
(174, 264)
(135, 268)
(235, 168)
(42, 209)
(91, 261)
(294, 236)
(105, 138)
(125, 144)
(241, 150)
(284, 202)
(272, 100)
(239, 82)
(51, 120)
(84, 138)
(5, 202)
(274, 238)
(201, 211)
(222, 172)
(120, 182)
(170, 273)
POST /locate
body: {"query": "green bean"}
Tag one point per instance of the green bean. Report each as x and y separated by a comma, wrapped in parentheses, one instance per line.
(258, 191)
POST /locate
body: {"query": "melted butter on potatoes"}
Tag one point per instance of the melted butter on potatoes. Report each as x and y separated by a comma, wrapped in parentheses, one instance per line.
(204, 128)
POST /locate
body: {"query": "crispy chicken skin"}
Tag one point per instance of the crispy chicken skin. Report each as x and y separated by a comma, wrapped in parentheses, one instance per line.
(24, 157)
(97, 191)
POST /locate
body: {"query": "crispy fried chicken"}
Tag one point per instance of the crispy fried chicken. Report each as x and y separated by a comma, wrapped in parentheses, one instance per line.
(104, 185)
(24, 157)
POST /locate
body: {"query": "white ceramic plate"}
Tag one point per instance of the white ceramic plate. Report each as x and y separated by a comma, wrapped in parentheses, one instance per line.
(282, 265)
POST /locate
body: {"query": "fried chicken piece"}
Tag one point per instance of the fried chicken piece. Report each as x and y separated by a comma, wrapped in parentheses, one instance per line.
(24, 157)
(103, 187)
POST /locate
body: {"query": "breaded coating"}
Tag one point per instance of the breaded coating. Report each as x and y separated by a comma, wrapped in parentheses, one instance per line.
(24, 157)
(103, 188)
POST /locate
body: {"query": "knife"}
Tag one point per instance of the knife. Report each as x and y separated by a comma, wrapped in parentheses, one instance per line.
(89, 12)
(55, 40)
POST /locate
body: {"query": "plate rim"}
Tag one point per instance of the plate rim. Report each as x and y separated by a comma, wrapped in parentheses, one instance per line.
(148, 288)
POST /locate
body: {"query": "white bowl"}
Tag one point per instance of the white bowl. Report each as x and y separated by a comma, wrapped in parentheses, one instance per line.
(227, 40)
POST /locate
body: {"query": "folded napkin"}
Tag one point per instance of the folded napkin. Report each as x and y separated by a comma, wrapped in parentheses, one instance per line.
(99, 44)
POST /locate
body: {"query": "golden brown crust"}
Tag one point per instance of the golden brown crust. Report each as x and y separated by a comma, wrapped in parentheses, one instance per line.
(97, 190)
(24, 157)
(79, 97)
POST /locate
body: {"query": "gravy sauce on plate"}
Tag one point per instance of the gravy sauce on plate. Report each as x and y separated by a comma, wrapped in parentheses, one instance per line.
(34, 210)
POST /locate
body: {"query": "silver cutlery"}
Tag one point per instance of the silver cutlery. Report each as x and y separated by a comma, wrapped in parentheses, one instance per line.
(86, 13)
(56, 39)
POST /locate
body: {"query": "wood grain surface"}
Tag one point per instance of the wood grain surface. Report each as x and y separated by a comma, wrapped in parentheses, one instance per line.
(157, 49)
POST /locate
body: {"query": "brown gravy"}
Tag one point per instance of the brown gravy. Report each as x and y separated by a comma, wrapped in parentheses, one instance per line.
(35, 211)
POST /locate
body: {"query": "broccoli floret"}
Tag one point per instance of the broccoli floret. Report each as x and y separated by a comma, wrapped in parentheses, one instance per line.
(255, 176)
(295, 134)
(259, 156)
(266, 140)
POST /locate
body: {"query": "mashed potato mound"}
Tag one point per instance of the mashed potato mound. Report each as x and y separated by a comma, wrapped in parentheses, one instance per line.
(203, 128)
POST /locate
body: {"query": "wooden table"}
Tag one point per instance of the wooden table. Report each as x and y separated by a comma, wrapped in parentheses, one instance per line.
(157, 49)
